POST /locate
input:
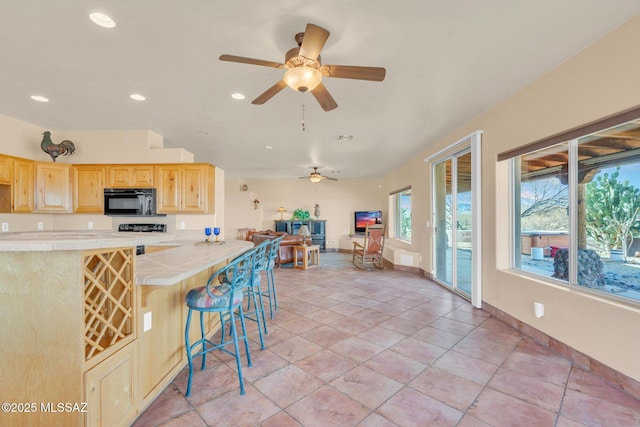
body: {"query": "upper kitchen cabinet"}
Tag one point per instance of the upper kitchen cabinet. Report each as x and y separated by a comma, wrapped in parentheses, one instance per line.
(6, 177)
(88, 188)
(6, 170)
(130, 176)
(185, 188)
(23, 186)
(53, 187)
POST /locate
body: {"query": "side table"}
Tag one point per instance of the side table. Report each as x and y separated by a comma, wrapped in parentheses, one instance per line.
(310, 256)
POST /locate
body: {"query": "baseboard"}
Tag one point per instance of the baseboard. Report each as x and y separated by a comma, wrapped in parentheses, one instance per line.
(407, 268)
(627, 384)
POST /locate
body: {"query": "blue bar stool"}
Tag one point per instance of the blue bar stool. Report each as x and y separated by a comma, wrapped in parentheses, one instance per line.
(253, 291)
(223, 294)
(271, 281)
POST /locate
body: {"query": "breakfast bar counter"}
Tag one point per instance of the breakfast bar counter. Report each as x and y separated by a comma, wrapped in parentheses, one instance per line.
(183, 259)
(87, 322)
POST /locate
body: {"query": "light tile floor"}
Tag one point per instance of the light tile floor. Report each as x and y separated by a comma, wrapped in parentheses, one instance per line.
(389, 348)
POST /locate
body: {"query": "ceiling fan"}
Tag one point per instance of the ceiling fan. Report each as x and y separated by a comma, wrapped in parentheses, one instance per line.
(305, 71)
(316, 176)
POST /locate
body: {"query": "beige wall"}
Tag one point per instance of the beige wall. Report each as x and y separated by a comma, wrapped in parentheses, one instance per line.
(597, 82)
(337, 199)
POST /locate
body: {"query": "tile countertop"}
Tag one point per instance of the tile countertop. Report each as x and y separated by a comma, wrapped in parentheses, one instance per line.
(183, 260)
(163, 268)
(75, 240)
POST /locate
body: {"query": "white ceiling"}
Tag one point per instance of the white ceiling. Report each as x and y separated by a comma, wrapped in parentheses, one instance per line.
(446, 61)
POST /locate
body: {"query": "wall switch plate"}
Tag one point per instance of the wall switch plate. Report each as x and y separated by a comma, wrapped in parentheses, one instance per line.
(90, 225)
(147, 321)
(182, 225)
(5, 227)
(40, 225)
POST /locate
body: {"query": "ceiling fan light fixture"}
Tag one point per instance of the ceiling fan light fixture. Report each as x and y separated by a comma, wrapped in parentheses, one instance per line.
(303, 79)
(315, 178)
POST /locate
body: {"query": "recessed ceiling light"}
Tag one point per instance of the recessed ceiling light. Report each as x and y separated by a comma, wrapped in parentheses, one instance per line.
(102, 20)
(345, 137)
(39, 98)
(137, 97)
(203, 132)
(237, 95)
(268, 147)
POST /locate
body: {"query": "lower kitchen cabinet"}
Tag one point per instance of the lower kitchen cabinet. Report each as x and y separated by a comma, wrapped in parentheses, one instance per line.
(109, 389)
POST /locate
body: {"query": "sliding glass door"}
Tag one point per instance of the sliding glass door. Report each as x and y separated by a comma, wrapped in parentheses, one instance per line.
(456, 220)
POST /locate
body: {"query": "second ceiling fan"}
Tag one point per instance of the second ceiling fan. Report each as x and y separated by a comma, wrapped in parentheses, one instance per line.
(316, 176)
(305, 70)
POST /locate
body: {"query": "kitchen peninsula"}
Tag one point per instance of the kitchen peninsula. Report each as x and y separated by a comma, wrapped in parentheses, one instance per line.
(88, 324)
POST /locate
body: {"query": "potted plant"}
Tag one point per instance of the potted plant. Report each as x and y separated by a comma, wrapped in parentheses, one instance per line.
(301, 215)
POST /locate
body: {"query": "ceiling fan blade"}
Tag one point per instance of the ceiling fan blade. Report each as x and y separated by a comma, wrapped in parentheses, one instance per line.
(251, 61)
(322, 95)
(375, 74)
(313, 41)
(269, 93)
(329, 178)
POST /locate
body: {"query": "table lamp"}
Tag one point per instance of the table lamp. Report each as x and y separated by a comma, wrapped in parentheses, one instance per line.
(282, 211)
(304, 232)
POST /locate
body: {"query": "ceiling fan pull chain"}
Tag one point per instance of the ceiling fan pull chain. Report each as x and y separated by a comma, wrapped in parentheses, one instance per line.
(303, 129)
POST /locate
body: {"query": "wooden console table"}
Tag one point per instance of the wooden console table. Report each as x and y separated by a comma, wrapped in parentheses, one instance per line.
(310, 256)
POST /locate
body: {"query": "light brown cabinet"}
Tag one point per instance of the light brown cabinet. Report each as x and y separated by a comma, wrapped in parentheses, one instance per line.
(27, 186)
(53, 187)
(6, 178)
(81, 347)
(88, 188)
(109, 388)
(23, 187)
(130, 176)
(6, 170)
(186, 188)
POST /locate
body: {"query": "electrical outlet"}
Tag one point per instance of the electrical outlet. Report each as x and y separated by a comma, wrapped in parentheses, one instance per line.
(182, 225)
(333, 242)
(5, 227)
(147, 321)
(40, 225)
(90, 225)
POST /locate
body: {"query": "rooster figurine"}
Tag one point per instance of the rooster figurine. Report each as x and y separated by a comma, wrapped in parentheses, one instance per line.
(65, 148)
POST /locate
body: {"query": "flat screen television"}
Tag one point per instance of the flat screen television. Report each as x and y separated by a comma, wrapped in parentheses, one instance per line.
(363, 218)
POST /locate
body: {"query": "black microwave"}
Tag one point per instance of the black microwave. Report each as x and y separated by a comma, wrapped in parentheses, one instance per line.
(130, 202)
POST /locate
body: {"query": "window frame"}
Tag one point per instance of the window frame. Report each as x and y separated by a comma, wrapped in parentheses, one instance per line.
(396, 214)
(573, 139)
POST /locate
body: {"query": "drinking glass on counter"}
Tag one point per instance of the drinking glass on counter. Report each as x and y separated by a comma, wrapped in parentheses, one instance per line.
(216, 231)
(207, 232)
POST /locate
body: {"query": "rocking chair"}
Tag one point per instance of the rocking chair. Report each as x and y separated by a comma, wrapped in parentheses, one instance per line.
(370, 252)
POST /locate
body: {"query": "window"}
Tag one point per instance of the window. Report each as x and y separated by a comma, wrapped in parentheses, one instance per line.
(576, 212)
(401, 208)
